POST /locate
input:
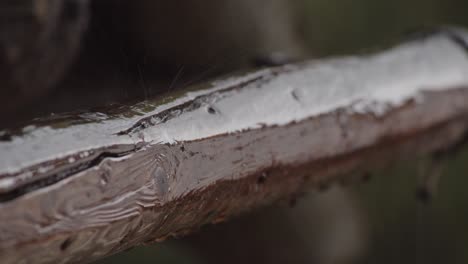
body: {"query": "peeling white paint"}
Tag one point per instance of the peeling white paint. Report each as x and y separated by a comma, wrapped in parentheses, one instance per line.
(361, 84)
(372, 84)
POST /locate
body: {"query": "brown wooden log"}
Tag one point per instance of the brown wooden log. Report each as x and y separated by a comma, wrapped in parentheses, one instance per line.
(77, 187)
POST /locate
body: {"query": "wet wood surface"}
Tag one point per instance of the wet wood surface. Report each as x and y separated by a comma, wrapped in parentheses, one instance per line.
(80, 186)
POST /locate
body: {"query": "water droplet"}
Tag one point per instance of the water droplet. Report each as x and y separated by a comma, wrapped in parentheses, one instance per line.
(161, 180)
(211, 110)
(104, 180)
(295, 95)
(66, 244)
(161, 239)
(429, 176)
(262, 178)
(145, 124)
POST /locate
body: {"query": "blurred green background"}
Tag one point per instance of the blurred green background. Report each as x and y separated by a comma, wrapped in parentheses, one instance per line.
(346, 26)
(397, 227)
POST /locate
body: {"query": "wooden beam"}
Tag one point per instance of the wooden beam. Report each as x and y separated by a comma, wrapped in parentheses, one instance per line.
(80, 186)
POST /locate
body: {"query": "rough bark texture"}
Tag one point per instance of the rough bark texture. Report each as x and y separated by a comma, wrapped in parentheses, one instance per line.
(78, 187)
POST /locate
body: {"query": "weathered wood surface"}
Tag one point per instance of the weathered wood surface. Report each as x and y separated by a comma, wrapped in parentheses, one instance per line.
(77, 187)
